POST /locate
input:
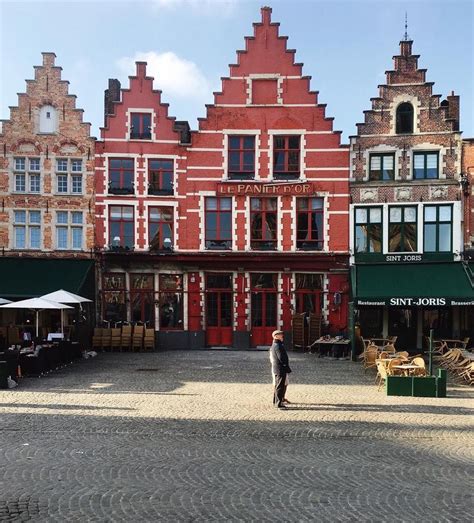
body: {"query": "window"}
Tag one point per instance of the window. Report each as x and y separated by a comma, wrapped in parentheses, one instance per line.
(27, 176)
(27, 229)
(121, 227)
(263, 223)
(309, 293)
(160, 228)
(438, 228)
(121, 173)
(425, 165)
(310, 214)
(113, 288)
(382, 166)
(368, 229)
(68, 176)
(241, 159)
(402, 228)
(140, 128)
(404, 118)
(171, 301)
(160, 176)
(142, 299)
(218, 223)
(69, 230)
(286, 157)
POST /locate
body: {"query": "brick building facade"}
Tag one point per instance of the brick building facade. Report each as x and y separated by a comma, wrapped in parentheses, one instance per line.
(407, 212)
(46, 191)
(221, 235)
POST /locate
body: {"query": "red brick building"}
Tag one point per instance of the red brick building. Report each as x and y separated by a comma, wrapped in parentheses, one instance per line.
(408, 212)
(221, 235)
(46, 191)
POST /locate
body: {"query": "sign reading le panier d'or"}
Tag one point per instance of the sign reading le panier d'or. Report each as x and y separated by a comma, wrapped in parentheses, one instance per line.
(269, 189)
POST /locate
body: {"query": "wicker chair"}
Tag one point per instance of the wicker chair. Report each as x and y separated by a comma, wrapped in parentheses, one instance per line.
(370, 355)
(420, 362)
(381, 374)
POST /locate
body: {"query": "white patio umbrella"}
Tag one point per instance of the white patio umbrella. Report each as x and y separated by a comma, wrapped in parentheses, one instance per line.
(63, 296)
(37, 305)
(3, 301)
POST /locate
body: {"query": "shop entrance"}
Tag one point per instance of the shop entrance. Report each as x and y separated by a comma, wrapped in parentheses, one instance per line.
(264, 308)
(403, 324)
(219, 310)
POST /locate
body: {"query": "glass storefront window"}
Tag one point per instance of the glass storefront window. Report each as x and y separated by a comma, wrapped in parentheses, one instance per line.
(171, 301)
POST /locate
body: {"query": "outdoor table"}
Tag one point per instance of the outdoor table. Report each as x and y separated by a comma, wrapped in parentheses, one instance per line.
(330, 342)
(407, 368)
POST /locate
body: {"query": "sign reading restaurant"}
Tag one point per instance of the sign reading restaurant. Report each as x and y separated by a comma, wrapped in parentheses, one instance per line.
(415, 302)
(270, 189)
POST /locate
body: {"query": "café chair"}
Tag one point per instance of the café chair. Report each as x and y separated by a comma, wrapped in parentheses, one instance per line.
(137, 337)
(421, 363)
(381, 374)
(149, 339)
(115, 339)
(97, 339)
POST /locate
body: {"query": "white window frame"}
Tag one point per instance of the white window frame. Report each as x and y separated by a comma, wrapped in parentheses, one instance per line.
(70, 174)
(69, 226)
(27, 173)
(27, 225)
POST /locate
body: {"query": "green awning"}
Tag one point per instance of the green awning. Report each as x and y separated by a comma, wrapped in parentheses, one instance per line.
(424, 284)
(30, 277)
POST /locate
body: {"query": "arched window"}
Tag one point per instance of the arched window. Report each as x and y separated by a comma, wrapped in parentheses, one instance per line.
(404, 118)
(47, 119)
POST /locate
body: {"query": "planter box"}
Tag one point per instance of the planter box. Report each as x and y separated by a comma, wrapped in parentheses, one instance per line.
(424, 386)
(399, 386)
(441, 383)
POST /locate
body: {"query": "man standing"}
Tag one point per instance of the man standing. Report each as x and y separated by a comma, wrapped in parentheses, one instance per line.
(280, 368)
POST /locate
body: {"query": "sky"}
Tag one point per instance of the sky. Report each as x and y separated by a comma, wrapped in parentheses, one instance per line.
(345, 45)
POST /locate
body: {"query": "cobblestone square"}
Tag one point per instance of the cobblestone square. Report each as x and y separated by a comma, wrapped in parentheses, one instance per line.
(192, 436)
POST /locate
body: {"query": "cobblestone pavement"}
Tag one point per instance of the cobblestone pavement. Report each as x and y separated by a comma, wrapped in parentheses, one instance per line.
(192, 436)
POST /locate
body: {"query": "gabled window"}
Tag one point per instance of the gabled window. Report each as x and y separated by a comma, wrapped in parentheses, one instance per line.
(310, 219)
(438, 228)
(382, 166)
(160, 176)
(218, 223)
(27, 177)
(27, 229)
(68, 176)
(121, 174)
(241, 159)
(140, 126)
(404, 118)
(425, 165)
(286, 157)
(121, 227)
(402, 229)
(160, 228)
(368, 230)
(263, 223)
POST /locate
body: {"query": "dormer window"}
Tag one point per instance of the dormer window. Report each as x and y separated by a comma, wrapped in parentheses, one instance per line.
(47, 119)
(405, 116)
(140, 126)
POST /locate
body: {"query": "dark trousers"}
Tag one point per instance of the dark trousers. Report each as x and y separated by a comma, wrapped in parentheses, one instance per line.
(280, 389)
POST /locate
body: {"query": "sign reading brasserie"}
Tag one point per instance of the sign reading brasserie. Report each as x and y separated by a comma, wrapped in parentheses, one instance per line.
(415, 302)
(265, 188)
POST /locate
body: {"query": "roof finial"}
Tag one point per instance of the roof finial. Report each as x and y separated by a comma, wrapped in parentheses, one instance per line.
(405, 36)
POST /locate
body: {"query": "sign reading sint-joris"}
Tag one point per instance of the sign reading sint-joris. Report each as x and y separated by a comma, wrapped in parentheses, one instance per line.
(270, 189)
(415, 302)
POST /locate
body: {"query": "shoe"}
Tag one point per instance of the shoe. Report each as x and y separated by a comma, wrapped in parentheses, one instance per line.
(281, 406)
(286, 402)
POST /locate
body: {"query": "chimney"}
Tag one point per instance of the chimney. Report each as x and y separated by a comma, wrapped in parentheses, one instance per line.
(48, 59)
(182, 127)
(453, 109)
(405, 47)
(141, 69)
(111, 95)
(266, 15)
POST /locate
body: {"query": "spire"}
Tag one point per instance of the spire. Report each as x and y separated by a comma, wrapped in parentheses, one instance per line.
(405, 36)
